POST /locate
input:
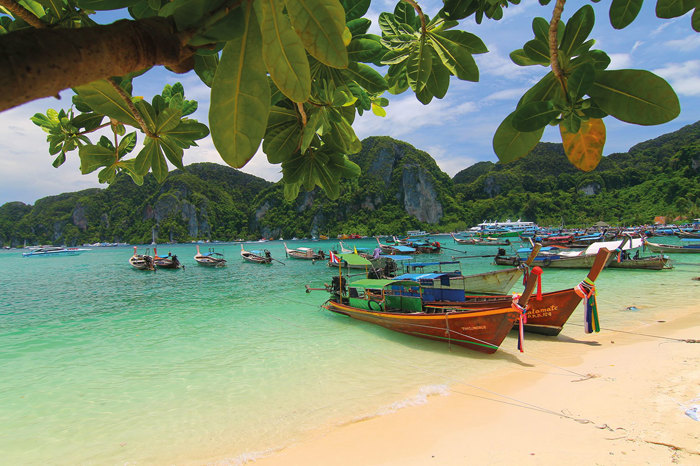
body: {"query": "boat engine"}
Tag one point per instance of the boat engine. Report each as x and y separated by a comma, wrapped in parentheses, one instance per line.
(339, 286)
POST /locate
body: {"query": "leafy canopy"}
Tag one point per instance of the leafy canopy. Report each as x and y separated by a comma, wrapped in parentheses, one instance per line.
(291, 75)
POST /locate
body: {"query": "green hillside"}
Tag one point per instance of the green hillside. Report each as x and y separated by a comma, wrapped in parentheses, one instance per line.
(400, 188)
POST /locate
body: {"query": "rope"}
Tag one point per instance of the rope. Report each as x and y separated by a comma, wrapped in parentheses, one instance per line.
(683, 340)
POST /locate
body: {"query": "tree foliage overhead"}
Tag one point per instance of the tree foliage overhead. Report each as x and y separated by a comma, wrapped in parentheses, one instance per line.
(291, 75)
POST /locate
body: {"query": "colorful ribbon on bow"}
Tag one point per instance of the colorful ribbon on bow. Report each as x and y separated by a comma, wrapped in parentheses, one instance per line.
(526, 273)
(522, 320)
(586, 291)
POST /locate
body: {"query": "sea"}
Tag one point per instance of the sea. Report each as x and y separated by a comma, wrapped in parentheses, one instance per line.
(104, 364)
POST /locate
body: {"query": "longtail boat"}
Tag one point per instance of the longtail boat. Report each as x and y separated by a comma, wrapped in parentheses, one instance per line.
(304, 253)
(669, 248)
(497, 282)
(210, 259)
(463, 241)
(623, 260)
(546, 312)
(395, 249)
(142, 261)
(399, 306)
(167, 262)
(256, 257)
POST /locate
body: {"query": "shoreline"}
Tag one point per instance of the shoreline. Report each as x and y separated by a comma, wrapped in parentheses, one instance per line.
(622, 401)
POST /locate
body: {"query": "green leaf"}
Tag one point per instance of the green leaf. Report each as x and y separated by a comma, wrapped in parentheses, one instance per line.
(396, 78)
(365, 50)
(673, 8)
(695, 19)
(187, 132)
(536, 51)
(473, 44)
(148, 114)
(205, 67)
(520, 58)
(359, 26)
(577, 29)
(283, 134)
(93, 157)
(540, 27)
(142, 163)
(101, 97)
(405, 13)
(168, 120)
(127, 144)
(128, 167)
(623, 12)
(366, 77)
(547, 88)
(579, 82)
(439, 80)
(320, 25)
(388, 24)
(393, 57)
(283, 52)
(419, 65)
(455, 57)
(240, 97)
(534, 116)
(355, 9)
(509, 144)
(172, 151)
(89, 121)
(60, 160)
(635, 96)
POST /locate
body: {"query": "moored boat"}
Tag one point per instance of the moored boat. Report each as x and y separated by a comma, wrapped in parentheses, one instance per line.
(168, 262)
(399, 306)
(142, 261)
(256, 257)
(210, 259)
(53, 251)
(692, 247)
(304, 253)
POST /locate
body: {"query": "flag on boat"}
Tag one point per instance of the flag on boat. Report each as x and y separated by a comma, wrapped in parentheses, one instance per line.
(355, 248)
(334, 259)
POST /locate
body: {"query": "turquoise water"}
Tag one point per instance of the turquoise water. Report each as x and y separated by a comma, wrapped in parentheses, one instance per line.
(101, 363)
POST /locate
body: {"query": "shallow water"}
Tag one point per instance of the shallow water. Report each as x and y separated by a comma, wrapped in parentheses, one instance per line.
(101, 363)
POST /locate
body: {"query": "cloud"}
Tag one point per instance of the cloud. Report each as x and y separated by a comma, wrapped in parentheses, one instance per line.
(449, 162)
(506, 94)
(619, 61)
(687, 44)
(684, 77)
(406, 115)
(636, 45)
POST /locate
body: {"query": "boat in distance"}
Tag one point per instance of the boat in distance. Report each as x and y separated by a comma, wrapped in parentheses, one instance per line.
(692, 247)
(53, 251)
(210, 259)
(256, 257)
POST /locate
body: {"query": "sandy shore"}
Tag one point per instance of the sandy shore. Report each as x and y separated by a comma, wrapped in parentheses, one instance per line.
(622, 401)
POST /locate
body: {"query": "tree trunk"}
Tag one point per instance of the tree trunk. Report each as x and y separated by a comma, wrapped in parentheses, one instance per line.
(36, 63)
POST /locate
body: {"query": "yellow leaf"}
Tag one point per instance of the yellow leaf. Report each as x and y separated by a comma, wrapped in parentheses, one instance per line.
(585, 148)
(347, 36)
(377, 110)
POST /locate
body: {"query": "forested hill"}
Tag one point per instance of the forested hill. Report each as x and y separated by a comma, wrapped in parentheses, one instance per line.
(400, 188)
(657, 177)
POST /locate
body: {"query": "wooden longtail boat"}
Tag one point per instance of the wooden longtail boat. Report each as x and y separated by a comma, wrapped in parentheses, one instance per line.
(659, 262)
(256, 257)
(142, 261)
(167, 262)
(695, 234)
(545, 315)
(304, 253)
(210, 259)
(395, 249)
(669, 248)
(463, 241)
(398, 306)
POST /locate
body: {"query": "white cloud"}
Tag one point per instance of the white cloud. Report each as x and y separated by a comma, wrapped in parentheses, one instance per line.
(448, 161)
(660, 29)
(636, 45)
(506, 94)
(686, 44)
(619, 61)
(684, 77)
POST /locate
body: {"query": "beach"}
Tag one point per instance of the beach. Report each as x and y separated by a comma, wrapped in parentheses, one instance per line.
(605, 398)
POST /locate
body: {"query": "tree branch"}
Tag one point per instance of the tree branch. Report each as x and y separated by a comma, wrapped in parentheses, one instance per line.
(300, 107)
(137, 115)
(554, 46)
(20, 12)
(420, 14)
(33, 66)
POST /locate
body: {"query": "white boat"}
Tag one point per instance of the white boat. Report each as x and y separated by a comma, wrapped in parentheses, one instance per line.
(53, 251)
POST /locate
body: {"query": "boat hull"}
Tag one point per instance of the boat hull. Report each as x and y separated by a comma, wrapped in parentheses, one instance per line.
(479, 330)
(545, 316)
(578, 262)
(646, 263)
(670, 249)
(495, 282)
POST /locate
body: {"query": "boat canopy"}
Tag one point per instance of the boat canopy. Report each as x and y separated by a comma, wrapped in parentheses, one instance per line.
(403, 248)
(397, 258)
(354, 259)
(371, 283)
(419, 276)
(427, 264)
(612, 245)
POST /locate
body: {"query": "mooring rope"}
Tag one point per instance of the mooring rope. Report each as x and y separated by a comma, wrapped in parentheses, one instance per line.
(683, 340)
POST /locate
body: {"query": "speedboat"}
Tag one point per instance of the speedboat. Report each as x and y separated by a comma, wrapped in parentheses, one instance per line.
(53, 251)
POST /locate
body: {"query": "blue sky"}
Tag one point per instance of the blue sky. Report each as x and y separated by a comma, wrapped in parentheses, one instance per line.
(456, 130)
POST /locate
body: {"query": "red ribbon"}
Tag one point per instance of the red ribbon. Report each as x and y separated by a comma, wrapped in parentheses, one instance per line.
(538, 271)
